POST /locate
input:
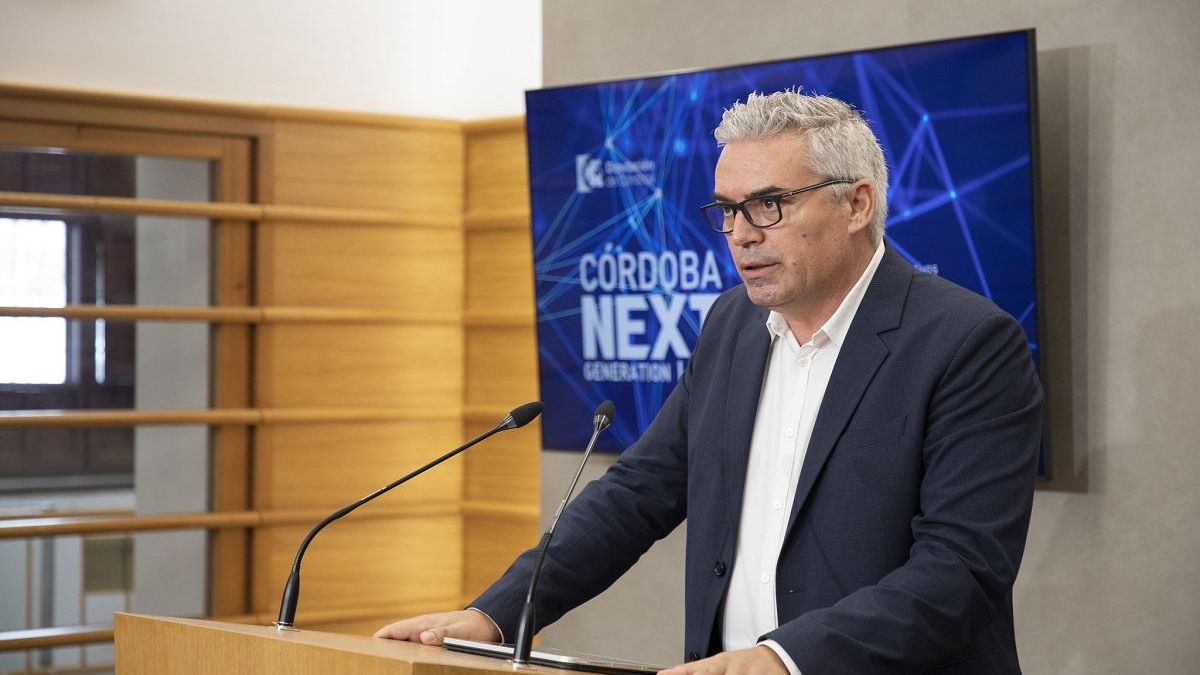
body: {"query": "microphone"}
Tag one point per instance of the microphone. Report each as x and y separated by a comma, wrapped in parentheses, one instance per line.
(519, 417)
(523, 644)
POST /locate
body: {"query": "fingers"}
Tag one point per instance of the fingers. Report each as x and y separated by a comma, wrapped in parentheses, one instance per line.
(759, 660)
(431, 629)
(434, 635)
(709, 666)
(411, 629)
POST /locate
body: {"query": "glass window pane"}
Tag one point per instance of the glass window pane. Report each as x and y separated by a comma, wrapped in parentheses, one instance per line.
(148, 365)
(57, 171)
(33, 258)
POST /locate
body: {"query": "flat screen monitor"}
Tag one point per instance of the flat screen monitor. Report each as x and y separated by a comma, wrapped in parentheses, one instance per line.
(626, 267)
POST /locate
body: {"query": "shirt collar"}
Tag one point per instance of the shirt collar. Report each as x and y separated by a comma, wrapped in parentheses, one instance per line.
(838, 325)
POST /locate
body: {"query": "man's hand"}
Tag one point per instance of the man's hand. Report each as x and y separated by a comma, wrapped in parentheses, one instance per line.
(429, 629)
(758, 660)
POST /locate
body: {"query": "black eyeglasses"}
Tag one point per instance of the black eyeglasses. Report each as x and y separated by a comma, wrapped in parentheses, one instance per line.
(763, 211)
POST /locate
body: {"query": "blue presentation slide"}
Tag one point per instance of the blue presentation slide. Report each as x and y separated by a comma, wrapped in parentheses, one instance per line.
(626, 267)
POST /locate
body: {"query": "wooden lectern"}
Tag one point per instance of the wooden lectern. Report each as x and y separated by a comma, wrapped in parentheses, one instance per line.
(153, 645)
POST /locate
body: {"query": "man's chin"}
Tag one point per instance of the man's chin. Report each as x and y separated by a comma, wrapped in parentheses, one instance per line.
(763, 297)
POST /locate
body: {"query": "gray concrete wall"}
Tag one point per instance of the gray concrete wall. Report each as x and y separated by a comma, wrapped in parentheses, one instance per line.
(1109, 582)
(171, 463)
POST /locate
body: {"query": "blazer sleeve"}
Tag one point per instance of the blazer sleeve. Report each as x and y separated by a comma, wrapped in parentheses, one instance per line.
(607, 527)
(982, 436)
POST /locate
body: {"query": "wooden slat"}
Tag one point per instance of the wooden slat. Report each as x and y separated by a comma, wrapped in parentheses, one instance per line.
(103, 98)
(53, 526)
(72, 512)
(228, 210)
(129, 205)
(88, 138)
(127, 418)
(42, 638)
(142, 313)
(308, 517)
(229, 416)
(359, 216)
(233, 315)
(358, 414)
(290, 314)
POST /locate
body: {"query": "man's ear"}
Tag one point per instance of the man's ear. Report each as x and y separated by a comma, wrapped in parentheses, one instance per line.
(861, 201)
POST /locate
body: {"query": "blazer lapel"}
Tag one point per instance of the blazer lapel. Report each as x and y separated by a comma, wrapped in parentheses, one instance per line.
(858, 360)
(745, 380)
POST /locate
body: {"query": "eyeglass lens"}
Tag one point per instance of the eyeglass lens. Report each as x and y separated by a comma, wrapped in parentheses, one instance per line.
(761, 212)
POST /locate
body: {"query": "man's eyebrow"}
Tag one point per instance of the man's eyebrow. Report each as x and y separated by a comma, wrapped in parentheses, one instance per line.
(761, 192)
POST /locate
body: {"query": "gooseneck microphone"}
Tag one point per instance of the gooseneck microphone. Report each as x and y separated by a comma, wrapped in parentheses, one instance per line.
(519, 417)
(523, 644)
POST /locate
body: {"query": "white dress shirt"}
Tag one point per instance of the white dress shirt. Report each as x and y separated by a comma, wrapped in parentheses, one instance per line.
(793, 387)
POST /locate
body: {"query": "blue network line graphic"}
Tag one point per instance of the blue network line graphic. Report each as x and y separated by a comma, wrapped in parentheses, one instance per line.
(617, 171)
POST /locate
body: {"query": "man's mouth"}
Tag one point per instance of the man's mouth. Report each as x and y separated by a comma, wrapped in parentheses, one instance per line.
(757, 266)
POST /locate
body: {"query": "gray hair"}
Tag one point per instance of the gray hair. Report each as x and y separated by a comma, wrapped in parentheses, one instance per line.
(840, 144)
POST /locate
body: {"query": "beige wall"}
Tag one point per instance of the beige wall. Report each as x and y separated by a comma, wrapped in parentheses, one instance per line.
(1109, 583)
(457, 59)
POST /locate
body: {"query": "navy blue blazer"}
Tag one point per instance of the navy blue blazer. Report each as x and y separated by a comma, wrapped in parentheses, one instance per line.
(913, 502)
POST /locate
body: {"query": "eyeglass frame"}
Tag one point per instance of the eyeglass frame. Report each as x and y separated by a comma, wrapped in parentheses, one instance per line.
(741, 206)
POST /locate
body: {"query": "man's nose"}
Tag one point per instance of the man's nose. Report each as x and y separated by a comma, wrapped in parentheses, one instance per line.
(743, 233)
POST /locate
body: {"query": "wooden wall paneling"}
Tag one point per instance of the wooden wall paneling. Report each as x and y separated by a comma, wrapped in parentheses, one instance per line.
(503, 470)
(365, 365)
(373, 266)
(229, 548)
(502, 365)
(363, 562)
(500, 350)
(492, 542)
(415, 364)
(496, 167)
(417, 169)
(382, 452)
(500, 270)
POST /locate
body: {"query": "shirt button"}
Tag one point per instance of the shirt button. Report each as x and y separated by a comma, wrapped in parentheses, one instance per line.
(777, 504)
(765, 578)
(802, 361)
(789, 432)
(718, 569)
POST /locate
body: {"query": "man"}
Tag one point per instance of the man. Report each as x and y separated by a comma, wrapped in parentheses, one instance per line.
(853, 443)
